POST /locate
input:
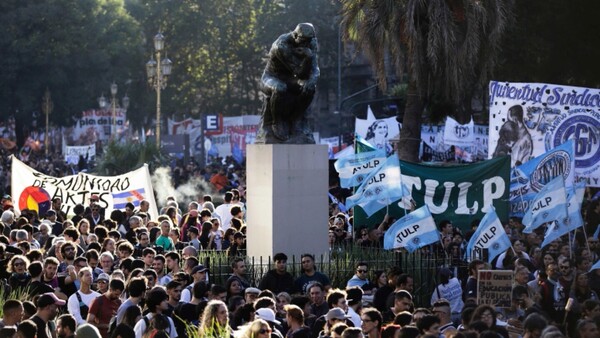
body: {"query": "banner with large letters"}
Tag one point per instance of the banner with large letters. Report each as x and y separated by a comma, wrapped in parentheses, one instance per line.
(528, 119)
(34, 191)
(96, 125)
(460, 193)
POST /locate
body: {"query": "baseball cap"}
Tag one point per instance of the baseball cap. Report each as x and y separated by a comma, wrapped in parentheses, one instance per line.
(103, 276)
(267, 314)
(199, 268)
(336, 313)
(6, 197)
(49, 298)
(252, 290)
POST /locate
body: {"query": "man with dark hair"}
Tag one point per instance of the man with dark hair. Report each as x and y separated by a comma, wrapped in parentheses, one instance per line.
(158, 265)
(310, 275)
(316, 293)
(382, 293)
(47, 309)
(172, 259)
(278, 280)
(151, 277)
(104, 307)
(136, 289)
(13, 311)
(223, 211)
(61, 216)
(239, 273)
(354, 296)
(26, 329)
(442, 309)
(402, 302)
(148, 257)
(404, 282)
(360, 278)
(36, 286)
(156, 302)
(533, 325)
(174, 293)
(429, 325)
(371, 322)
(66, 326)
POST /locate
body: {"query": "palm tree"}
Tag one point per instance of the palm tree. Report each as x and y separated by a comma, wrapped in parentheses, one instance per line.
(445, 48)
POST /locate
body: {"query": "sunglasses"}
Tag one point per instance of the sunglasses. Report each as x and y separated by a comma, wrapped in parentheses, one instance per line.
(264, 331)
(19, 264)
(362, 271)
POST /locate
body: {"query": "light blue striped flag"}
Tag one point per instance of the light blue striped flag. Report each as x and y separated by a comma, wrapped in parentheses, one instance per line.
(412, 231)
(355, 168)
(489, 235)
(385, 183)
(573, 221)
(550, 204)
(121, 199)
(595, 266)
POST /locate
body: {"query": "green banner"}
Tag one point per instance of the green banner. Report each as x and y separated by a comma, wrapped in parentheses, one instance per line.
(459, 193)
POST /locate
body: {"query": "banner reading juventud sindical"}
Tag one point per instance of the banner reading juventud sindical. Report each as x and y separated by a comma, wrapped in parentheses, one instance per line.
(35, 191)
(529, 119)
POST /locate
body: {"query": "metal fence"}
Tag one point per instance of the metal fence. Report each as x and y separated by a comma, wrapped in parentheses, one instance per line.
(340, 266)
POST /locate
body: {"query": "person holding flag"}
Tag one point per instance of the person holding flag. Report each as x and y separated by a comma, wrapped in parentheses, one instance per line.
(550, 204)
(490, 235)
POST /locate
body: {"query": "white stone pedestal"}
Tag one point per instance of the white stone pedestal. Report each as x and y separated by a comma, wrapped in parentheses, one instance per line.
(287, 208)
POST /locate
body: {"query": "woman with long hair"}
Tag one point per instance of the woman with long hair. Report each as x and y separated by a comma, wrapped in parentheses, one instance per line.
(451, 290)
(215, 321)
(84, 231)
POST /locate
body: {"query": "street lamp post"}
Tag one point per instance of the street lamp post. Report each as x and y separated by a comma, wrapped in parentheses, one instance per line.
(47, 109)
(158, 72)
(113, 106)
(199, 113)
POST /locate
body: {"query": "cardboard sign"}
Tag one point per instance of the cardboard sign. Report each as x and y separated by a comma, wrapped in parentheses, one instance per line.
(494, 287)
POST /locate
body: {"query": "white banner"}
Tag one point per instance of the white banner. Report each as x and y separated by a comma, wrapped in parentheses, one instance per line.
(528, 119)
(95, 125)
(72, 153)
(35, 191)
(378, 132)
(462, 135)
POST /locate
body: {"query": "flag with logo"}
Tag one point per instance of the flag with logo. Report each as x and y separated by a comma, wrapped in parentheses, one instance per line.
(412, 231)
(550, 204)
(353, 169)
(570, 223)
(134, 197)
(385, 183)
(489, 235)
(362, 145)
(462, 135)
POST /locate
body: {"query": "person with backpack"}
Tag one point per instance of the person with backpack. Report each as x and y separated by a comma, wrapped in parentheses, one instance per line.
(136, 289)
(79, 302)
(104, 308)
(156, 303)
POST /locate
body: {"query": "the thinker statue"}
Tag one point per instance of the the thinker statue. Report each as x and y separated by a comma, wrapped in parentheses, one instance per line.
(289, 82)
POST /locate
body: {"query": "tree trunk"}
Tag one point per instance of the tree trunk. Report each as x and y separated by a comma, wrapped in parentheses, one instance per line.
(410, 135)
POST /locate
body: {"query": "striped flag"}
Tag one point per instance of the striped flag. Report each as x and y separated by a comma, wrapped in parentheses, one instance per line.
(489, 235)
(412, 231)
(121, 199)
(550, 204)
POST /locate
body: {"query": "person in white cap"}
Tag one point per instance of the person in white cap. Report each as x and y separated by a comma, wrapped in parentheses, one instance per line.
(268, 315)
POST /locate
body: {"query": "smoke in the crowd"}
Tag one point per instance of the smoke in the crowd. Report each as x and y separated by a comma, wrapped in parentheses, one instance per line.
(192, 190)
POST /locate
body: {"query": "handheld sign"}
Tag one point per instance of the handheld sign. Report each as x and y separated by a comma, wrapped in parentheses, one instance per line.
(494, 287)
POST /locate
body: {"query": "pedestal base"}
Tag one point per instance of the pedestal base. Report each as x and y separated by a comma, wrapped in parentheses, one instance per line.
(287, 205)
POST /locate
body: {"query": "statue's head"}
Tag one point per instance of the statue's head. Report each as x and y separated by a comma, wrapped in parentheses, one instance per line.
(303, 33)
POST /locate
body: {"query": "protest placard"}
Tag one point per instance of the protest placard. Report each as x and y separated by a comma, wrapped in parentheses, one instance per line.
(494, 287)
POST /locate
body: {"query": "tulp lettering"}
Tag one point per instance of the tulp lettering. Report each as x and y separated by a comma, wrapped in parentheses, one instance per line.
(486, 237)
(376, 179)
(542, 204)
(406, 232)
(368, 165)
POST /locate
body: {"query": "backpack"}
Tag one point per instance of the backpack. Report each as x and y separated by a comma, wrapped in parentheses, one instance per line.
(83, 309)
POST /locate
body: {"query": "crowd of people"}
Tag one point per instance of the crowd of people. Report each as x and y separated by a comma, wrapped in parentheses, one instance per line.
(113, 273)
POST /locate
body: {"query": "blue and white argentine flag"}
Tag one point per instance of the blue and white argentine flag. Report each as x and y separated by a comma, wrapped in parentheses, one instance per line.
(121, 199)
(563, 226)
(550, 204)
(489, 235)
(355, 168)
(412, 231)
(383, 183)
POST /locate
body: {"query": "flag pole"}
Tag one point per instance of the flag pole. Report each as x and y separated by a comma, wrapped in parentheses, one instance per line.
(586, 238)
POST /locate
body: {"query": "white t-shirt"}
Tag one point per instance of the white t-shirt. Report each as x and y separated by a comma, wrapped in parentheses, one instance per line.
(73, 304)
(452, 292)
(224, 213)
